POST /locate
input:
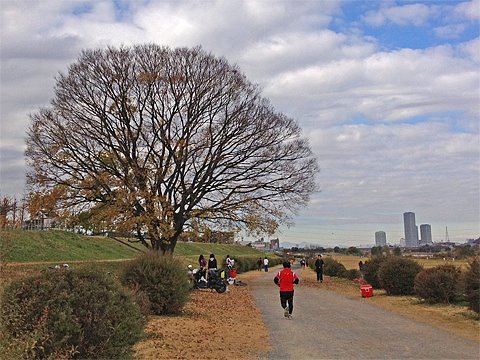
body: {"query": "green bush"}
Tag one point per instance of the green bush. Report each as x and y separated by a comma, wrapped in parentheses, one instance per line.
(332, 267)
(248, 263)
(163, 278)
(244, 264)
(68, 314)
(472, 285)
(441, 284)
(370, 270)
(351, 274)
(397, 275)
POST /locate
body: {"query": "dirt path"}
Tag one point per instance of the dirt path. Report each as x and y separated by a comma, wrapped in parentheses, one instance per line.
(326, 325)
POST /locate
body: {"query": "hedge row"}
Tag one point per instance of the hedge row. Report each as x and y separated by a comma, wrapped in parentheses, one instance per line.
(441, 284)
(248, 263)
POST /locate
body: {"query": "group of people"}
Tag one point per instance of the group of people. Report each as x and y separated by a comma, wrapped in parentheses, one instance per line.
(263, 262)
(284, 279)
(211, 266)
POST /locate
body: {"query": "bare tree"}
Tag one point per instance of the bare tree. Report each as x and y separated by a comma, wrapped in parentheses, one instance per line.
(153, 137)
(10, 208)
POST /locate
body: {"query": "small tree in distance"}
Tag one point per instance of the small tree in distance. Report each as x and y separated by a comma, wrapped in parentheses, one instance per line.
(149, 137)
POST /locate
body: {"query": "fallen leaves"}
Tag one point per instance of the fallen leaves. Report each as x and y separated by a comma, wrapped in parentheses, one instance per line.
(212, 326)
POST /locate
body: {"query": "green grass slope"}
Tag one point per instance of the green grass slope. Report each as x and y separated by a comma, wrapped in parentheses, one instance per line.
(29, 246)
(61, 246)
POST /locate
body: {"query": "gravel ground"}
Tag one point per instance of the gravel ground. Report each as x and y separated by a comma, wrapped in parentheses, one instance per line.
(327, 325)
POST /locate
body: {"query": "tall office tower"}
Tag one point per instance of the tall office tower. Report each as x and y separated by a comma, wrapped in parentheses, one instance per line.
(380, 238)
(411, 230)
(425, 234)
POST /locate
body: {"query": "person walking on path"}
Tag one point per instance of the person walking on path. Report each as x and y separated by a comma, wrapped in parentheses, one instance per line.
(265, 264)
(285, 279)
(319, 267)
(259, 264)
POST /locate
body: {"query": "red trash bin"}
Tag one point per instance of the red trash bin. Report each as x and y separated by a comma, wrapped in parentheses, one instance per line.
(367, 290)
(233, 273)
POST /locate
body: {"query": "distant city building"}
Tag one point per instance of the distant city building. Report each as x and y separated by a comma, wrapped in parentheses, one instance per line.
(402, 242)
(380, 238)
(275, 244)
(425, 234)
(260, 245)
(411, 230)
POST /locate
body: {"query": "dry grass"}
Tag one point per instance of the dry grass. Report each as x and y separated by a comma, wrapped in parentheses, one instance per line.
(458, 320)
(213, 326)
(351, 262)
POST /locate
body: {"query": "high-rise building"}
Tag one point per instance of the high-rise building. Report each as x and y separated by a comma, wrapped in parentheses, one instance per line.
(425, 234)
(411, 230)
(380, 238)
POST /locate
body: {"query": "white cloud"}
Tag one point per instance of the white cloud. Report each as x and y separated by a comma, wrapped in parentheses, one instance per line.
(469, 10)
(392, 86)
(384, 168)
(452, 31)
(412, 14)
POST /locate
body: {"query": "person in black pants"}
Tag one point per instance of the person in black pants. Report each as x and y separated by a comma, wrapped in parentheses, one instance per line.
(319, 268)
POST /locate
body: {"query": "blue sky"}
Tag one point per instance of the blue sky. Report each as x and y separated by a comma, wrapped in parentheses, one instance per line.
(387, 93)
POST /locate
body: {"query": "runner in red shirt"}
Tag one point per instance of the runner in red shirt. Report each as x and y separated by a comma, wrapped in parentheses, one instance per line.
(285, 280)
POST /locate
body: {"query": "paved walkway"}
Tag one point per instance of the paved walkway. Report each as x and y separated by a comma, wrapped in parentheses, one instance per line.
(326, 325)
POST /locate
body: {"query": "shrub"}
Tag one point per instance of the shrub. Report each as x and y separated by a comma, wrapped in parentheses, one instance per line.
(164, 280)
(244, 264)
(68, 314)
(351, 274)
(397, 275)
(332, 267)
(370, 270)
(441, 284)
(472, 285)
(247, 263)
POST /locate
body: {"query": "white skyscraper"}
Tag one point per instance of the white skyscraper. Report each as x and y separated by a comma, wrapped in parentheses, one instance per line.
(411, 230)
(380, 238)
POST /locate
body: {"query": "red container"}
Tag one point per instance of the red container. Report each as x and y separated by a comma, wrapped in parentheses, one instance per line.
(233, 273)
(367, 290)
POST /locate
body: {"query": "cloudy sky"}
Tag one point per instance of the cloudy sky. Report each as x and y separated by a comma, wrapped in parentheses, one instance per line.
(387, 92)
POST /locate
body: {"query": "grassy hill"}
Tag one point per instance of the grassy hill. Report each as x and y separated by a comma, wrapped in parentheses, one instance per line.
(60, 246)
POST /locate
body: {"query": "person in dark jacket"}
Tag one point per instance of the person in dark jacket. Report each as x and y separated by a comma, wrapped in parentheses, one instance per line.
(319, 267)
(285, 280)
(259, 264)
(212, 264)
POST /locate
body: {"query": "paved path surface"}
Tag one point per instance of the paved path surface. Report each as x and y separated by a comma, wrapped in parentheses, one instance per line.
(326, 325)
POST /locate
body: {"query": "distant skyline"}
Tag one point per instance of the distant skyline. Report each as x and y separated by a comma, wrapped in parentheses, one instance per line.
(387, 92)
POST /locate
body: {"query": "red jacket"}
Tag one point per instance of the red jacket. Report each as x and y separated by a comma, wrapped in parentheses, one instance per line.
(285, 279)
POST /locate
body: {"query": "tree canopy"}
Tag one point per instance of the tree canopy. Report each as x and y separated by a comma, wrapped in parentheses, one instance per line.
(155, 138)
